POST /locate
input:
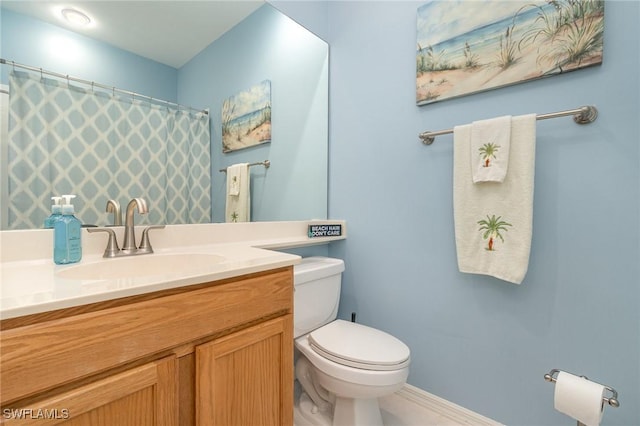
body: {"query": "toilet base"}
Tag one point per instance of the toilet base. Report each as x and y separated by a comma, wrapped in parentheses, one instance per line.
(347, 412)
(306, 413)
(357, 412)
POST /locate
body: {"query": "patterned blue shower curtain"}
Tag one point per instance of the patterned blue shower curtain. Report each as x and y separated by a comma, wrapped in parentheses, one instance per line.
(65, 139)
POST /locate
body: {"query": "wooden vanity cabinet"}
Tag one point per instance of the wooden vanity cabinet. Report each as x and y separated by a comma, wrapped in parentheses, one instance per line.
(144, 395)
(245, 378)
(218, 353)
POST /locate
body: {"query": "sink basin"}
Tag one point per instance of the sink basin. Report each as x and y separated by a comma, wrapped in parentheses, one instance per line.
(143, 266)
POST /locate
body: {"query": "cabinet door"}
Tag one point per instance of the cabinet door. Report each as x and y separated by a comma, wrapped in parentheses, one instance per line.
(246, 378)
(144, 395)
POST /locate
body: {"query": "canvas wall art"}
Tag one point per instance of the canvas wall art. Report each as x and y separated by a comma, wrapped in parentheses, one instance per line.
(246, 118)
(466, 46)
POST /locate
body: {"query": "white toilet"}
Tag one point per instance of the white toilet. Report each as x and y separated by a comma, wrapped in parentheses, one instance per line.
(343, 367)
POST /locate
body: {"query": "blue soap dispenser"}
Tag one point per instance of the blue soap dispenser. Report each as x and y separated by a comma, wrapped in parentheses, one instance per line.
(67, 242)
(56, 213)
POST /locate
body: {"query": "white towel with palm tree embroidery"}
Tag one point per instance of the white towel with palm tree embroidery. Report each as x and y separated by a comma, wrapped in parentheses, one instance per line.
(238, 206)
(490, 142)
(493, 221)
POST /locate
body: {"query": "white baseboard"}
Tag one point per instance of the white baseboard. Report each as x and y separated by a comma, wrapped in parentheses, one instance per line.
(444, 408)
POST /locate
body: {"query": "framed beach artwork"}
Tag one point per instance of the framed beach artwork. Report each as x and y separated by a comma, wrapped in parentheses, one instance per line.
(468, 46)
(246, 118)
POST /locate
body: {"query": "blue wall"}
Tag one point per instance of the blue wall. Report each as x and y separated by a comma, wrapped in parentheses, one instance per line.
(269, 46)
(478, 341)
(32, 42)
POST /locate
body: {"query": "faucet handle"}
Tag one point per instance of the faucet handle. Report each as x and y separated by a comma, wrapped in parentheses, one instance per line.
(112, 249)
(145, 244)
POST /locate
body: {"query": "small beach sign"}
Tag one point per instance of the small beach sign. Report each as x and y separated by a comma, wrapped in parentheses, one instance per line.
(467, 46)
(246, 118)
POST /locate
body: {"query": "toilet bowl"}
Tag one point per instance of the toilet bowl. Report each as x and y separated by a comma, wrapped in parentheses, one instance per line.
(342, 367)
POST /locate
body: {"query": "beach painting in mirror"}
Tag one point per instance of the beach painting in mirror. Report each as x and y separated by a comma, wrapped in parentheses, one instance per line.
(465, 47)
(246, 118)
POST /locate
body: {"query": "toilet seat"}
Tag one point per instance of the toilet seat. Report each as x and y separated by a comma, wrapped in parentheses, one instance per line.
(359, 376)
(356, 345)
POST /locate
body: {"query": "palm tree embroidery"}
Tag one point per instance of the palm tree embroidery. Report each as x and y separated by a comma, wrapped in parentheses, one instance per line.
(487, 151)
(234, 217)
(492, 227)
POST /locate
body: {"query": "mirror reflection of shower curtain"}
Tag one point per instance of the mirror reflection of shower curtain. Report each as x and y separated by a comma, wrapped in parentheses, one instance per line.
(65, 139)
(4, 138)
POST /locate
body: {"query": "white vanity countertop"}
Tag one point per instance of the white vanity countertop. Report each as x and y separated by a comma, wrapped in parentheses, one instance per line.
(32, 283)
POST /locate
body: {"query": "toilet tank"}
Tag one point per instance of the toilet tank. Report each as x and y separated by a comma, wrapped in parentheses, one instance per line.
(317, 282)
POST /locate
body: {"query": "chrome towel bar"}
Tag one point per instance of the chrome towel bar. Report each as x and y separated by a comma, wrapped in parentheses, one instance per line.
(265, 163)
(583, 115)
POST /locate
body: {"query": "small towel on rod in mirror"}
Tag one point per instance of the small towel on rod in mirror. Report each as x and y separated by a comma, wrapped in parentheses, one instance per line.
(490, 141)
(238, 207)
(493, 221)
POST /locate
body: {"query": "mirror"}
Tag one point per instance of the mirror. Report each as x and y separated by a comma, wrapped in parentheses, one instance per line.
(265, 45)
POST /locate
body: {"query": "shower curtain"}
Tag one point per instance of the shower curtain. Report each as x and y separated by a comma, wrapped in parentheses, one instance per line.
(65, 139)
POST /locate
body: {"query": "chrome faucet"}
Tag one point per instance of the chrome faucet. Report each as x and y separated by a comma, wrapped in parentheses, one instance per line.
(114, 207)
(129, 229)
(129, 248)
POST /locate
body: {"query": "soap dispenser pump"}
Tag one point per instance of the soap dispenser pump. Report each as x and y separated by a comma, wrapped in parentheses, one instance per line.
(67, 245)
(56, 213)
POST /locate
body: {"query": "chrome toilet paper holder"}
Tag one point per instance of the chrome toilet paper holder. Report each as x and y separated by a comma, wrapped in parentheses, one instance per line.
(612, 400)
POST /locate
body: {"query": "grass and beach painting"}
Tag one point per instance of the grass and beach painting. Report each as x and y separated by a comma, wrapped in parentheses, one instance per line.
(246, 118)
(467, 46)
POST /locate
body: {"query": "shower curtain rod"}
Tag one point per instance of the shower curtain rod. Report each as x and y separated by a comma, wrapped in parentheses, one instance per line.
(102, 86)
(583, 115)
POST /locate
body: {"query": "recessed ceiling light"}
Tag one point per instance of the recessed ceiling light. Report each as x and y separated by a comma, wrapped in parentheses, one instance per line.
(75, 17)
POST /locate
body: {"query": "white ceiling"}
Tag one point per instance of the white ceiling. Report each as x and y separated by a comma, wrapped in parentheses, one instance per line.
(167, 31)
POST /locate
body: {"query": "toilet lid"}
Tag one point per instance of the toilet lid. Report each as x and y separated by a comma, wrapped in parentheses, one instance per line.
(359, 346)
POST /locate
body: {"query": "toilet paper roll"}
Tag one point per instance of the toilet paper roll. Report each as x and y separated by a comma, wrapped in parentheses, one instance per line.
(579, 398)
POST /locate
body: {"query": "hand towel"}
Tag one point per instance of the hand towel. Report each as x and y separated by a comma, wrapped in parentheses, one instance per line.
(490, 141)
(493, 221)
(238, 208)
